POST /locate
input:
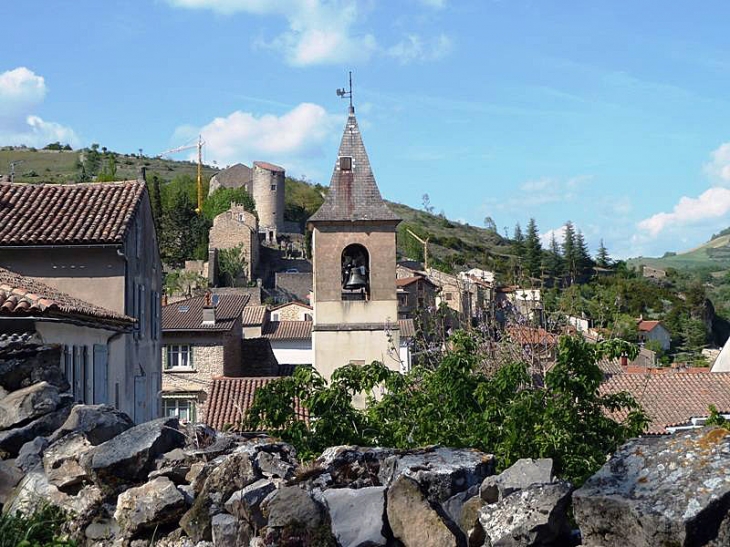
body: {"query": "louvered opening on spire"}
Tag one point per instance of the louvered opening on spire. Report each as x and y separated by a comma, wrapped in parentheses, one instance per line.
(353, 194)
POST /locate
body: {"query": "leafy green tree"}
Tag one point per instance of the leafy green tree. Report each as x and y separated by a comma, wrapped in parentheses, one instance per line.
(184, 233)
(533, 249)
(220, 201)
(92, 160)
(231, 264)
(455, 404)
(109, 171)
(490, 225)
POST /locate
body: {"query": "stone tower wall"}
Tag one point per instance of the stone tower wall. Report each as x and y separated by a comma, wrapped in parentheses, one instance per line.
(268, 193)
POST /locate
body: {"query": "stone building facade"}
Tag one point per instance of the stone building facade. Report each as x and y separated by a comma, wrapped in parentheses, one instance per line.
(230, 229)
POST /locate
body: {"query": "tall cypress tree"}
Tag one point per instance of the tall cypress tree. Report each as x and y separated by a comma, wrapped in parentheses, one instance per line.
(533, 249)
(569, 254)
(602, 258)
(553, 260)
(584, 262)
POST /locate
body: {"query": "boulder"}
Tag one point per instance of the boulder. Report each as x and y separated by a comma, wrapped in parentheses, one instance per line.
(272, 465)
(61, 461)
(31, 453)
(219, 478)
(533, 516)
(23, 364)
(672, 490)
(10, 475)
(356, 515)
(463, 510)
(225, 531)
(130, 456)
(24, 405)
(349, 467)
(441, 472)
(246, 503)
(520, 475)
(292, 506)
(12, 440)
(154, 504)
(98, 423)
(414, 522)
(3, 393)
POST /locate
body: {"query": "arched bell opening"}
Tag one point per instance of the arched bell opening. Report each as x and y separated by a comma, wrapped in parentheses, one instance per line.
(355, 272)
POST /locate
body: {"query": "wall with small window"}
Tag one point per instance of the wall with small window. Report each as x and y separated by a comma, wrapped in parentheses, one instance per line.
(183, 406)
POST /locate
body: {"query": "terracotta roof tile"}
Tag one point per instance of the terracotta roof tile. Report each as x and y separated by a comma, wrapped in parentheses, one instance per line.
(231, 398)
(673, 398)
(648, 326)
(407, 328)
(67, 214)
(288, 330)
(532, 336)
(23, 296)
(254, 315)
(269, 166)
(188, 314)
(293, 303)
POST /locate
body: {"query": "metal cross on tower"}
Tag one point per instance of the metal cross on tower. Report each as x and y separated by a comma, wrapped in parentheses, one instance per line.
(343, 93)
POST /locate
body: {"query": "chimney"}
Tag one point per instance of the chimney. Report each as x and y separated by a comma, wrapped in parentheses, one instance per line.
(208, 311)
(142, 174)
(624, 361)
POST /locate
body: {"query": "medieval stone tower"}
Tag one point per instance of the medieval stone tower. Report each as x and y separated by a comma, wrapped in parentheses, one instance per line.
(353, 243)
(267, 189)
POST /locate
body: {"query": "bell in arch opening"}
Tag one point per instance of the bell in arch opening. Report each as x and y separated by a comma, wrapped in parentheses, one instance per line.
(355, 272)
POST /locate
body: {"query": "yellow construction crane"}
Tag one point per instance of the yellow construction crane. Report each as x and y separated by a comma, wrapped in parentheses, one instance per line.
(425, 247)
(199, 146)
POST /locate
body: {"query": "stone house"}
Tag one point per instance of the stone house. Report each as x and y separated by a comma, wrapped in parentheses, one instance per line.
(415, 294)
(230, 229)
(201, 339)
(89, 336)
(95, 242)
(654, 330)
(291, 341)
(291, 311)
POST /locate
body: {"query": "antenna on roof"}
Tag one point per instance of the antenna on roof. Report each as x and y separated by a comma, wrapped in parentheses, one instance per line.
(343, 93)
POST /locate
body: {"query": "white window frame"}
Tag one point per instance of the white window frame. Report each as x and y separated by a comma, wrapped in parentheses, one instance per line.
(174, 357)
(172, 407)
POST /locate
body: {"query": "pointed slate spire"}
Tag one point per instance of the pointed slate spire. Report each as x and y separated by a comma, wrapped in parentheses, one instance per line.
(353, 194)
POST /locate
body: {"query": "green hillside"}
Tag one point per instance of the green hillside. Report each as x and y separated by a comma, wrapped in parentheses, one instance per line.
(65, 165)
(715, 254)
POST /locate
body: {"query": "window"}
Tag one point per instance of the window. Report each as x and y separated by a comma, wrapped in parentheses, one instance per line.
(402, 299)
(179, 356)
(345, 163)
(448, 296)
(275, 316)
(355, 263)
(307, 316)
(184, 408)
(273, 187)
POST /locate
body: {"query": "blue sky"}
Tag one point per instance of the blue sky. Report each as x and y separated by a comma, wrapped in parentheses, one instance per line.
(612, 114)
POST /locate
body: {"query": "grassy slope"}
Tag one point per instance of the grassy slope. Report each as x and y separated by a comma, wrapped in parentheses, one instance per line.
(715, 254)
(60, 166)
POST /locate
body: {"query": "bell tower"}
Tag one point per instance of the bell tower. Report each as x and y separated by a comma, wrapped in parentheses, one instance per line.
(353, 243)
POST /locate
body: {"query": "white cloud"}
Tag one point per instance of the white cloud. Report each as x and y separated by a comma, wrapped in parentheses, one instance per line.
(289, 139)
(718, 169)
(414, 48)
(21, 93)
(546, 238)
(320, 31)
(326, 31)
(711, 204)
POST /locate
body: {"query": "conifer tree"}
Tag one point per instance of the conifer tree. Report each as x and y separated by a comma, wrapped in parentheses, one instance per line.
(518, 242)
(533, 249)
(553, 260)
(569, 254)
(583, 259)
(602, 258)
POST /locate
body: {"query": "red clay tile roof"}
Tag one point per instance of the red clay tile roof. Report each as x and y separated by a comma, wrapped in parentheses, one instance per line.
(531, 336)
(673, 398)
(67, 214)
(269, 166)
(288, 330)
(231, 398)
(23, 297)
(648, 326)
(253, 315)
(407, 328)
(188, 314)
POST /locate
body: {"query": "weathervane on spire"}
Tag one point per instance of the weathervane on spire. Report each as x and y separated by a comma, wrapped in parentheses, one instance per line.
(342, 93)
